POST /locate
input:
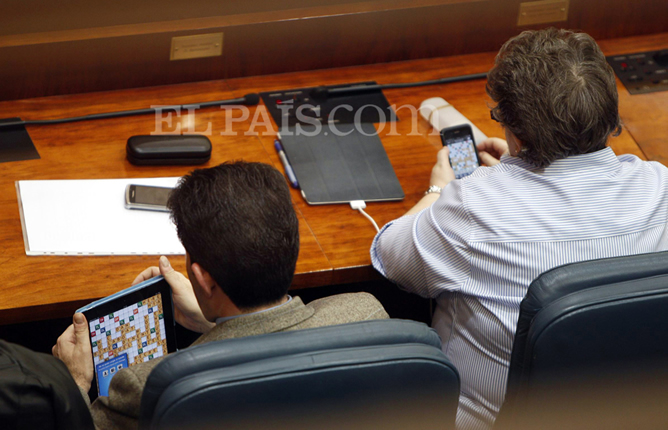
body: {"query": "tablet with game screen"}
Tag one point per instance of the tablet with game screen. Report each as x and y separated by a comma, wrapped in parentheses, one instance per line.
(132, 326)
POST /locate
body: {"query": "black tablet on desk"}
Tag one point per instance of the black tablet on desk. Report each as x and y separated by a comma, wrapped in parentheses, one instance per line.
(340, 163)
(132, 326)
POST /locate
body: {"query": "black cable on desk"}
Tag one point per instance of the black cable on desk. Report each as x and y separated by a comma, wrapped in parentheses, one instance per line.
(247, 100)
(324, 92)
(252, 99)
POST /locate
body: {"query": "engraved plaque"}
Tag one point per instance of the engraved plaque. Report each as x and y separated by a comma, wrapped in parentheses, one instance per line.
(539, 12)
(197, 46)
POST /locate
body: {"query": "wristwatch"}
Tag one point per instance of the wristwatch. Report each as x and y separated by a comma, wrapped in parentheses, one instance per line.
(433, 189)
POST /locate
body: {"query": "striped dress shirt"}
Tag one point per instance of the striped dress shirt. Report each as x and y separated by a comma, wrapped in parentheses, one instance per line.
(479, 246)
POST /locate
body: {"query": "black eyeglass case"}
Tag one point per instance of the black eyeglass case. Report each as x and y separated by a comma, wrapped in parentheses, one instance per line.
(168, 150)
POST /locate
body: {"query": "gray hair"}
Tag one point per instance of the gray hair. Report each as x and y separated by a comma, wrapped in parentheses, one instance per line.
(556, 93)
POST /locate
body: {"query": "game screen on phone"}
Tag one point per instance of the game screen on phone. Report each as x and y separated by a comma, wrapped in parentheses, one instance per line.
(463, 157)
(131, 335)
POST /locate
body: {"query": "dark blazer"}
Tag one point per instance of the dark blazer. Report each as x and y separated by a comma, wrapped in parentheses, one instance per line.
(121, 409)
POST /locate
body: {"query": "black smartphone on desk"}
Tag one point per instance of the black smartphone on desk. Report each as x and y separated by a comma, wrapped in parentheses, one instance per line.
(463, 152)
(147, 197)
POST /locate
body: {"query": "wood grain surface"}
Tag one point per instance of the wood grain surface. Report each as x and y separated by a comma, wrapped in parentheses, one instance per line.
(52, 286)
(335, 240)
(50, 48)
(645, 116)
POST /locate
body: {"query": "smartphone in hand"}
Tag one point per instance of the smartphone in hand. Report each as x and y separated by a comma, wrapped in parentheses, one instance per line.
(463, 152)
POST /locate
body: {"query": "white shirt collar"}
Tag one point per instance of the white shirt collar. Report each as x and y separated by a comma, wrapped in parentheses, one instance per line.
(597, 162)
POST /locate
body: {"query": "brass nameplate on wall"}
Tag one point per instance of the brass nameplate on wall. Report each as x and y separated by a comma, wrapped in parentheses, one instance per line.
(539, 12)
(197, 46)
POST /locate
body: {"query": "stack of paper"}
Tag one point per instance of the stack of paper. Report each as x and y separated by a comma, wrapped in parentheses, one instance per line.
(88, 217)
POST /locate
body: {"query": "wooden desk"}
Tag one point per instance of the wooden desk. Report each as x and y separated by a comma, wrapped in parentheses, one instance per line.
(645, 116)
(335, 240)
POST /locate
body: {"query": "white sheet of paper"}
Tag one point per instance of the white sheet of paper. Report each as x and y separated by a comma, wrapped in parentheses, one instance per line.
(88, 217)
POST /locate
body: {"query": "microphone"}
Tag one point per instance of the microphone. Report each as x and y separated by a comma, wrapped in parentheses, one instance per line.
(323, 92)
(251, 99)
(248, 100)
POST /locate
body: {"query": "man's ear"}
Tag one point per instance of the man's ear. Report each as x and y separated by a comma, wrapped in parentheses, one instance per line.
(204, 279)
(514, 144)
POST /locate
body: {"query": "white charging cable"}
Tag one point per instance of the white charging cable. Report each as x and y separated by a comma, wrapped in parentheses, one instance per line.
(359, 205)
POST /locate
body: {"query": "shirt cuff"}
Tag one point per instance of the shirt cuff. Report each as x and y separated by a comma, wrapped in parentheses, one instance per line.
(376, 261)
(375, 258)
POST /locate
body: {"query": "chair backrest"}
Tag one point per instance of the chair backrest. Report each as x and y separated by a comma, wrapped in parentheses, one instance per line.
(589, 335)
(38, 392)
(358, 375)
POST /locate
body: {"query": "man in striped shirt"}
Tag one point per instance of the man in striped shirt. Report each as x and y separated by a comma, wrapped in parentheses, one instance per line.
(552, 194)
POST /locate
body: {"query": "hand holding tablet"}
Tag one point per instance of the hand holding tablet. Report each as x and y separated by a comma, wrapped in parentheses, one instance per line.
(73, 348)
(186, 308)
(132, 326)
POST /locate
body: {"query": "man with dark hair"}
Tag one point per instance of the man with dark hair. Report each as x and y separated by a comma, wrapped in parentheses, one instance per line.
(241, 236)
(552, 194)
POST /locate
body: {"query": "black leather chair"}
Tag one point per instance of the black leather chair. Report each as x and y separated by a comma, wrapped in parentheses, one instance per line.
(591, 348)
(38, 392)
(372, 374)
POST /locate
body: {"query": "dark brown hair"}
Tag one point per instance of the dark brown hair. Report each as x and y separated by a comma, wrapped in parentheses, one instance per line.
(556, 93)
(237, 221)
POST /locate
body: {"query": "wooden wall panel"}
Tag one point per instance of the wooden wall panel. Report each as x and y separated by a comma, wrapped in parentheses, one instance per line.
(619, 18)
(126, 57)
(39, 16)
